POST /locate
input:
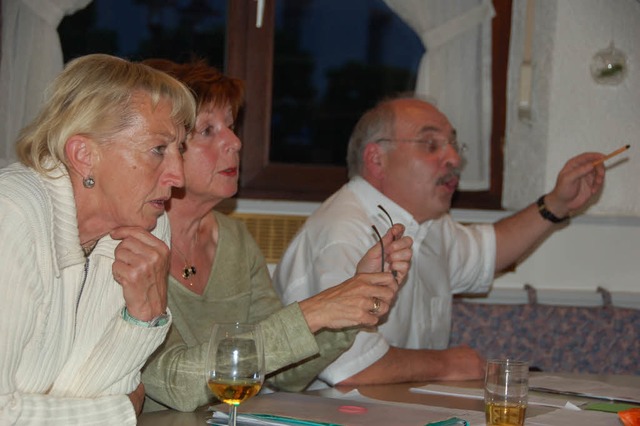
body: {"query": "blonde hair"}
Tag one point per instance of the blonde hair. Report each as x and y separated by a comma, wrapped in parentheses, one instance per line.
(92, 96)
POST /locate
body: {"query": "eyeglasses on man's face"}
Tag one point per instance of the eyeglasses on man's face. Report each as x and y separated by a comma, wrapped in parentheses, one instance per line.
(433, 144)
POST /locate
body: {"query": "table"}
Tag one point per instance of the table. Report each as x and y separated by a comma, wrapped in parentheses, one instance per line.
(399, 393)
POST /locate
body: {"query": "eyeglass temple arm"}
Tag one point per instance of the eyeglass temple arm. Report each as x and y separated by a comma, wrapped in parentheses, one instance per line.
(386, 213)
(381, 247)
(395, 273)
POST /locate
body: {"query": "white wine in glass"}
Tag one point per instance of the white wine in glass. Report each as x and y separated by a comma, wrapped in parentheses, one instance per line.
(234, 367)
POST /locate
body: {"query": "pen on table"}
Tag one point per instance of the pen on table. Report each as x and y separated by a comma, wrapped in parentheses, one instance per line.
(454, 421)
(290, 420)
(612, 154)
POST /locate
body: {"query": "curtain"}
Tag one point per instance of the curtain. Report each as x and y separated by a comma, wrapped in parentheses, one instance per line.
(455, 72)
(31, 58)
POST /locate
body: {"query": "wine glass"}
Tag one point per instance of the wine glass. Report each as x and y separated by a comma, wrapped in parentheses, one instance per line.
(234, 367)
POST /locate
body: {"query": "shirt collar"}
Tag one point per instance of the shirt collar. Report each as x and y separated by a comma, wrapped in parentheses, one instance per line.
(370, 197)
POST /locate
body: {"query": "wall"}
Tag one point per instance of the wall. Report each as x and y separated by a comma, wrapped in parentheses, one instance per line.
(569, 114)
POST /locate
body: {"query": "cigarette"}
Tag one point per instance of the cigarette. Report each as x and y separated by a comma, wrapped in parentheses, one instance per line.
(613, 154)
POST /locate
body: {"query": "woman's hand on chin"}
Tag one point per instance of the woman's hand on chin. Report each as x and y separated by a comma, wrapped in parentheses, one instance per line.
(141, 267)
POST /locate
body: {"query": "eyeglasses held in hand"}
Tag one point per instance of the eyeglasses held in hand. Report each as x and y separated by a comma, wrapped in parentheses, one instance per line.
(394, 273)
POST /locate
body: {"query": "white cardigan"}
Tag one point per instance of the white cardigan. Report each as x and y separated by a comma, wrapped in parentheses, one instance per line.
(66, 355)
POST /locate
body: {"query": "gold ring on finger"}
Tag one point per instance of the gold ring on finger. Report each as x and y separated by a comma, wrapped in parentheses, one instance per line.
(376, 306)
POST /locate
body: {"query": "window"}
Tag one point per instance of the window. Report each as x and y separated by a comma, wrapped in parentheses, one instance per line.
(301, 102)
(139, 29)
(332, 61)
(265, 175)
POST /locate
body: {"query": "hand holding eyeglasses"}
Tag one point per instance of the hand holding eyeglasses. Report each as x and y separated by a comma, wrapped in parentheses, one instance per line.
(392, 253)
(358, 301)
(364, 298)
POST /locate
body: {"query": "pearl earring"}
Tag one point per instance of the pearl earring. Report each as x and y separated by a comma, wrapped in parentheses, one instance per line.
(88, 182)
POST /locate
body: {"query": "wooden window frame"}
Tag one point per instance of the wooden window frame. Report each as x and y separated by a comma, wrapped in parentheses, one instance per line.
(250, 57)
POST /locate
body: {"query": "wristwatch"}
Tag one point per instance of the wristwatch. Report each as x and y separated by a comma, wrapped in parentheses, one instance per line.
(545, 213)
(158, 321)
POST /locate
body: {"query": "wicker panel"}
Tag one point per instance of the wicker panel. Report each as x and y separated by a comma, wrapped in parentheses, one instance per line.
(272, 232)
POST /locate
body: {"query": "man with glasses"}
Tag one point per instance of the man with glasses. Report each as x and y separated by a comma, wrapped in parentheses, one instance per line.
(404, 159)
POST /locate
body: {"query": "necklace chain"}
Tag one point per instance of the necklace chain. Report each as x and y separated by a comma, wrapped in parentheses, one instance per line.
(189, 268)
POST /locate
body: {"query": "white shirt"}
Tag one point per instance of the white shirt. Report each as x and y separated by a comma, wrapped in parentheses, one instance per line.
(448, 258)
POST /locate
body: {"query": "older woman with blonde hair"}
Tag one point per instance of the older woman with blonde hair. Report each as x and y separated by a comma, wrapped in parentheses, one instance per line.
(85, 236)
(219, 275)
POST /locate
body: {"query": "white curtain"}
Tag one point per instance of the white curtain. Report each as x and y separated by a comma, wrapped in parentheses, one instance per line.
(456, 72)
(31, 58)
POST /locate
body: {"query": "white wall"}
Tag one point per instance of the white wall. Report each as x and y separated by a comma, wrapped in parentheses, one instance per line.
(570, 114)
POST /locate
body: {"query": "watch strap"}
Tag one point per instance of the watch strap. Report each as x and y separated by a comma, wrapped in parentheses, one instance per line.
(158, 321)
(546, 214)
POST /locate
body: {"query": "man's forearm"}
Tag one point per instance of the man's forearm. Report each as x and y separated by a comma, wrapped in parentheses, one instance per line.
(415, 365)
(518, 234)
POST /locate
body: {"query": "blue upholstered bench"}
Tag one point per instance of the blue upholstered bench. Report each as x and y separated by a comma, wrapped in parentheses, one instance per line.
(601, 340)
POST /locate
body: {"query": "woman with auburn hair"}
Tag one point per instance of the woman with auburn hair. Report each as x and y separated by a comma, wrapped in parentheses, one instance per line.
(219, 275)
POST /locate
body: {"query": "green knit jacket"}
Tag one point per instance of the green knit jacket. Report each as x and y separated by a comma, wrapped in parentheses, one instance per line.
(239, 290)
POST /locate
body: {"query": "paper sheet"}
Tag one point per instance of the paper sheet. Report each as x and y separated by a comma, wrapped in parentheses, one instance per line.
(574, 418)
(332, 410)
(476, 393)
(591, 388)
(473, 417)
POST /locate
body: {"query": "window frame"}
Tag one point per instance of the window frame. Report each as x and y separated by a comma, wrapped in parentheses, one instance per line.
(250, 58)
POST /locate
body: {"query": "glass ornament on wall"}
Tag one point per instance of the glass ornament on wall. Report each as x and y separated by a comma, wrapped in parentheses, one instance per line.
(609, 66)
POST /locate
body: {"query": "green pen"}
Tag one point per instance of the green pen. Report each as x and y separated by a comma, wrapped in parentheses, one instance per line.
(454, 421)
(290, 420)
